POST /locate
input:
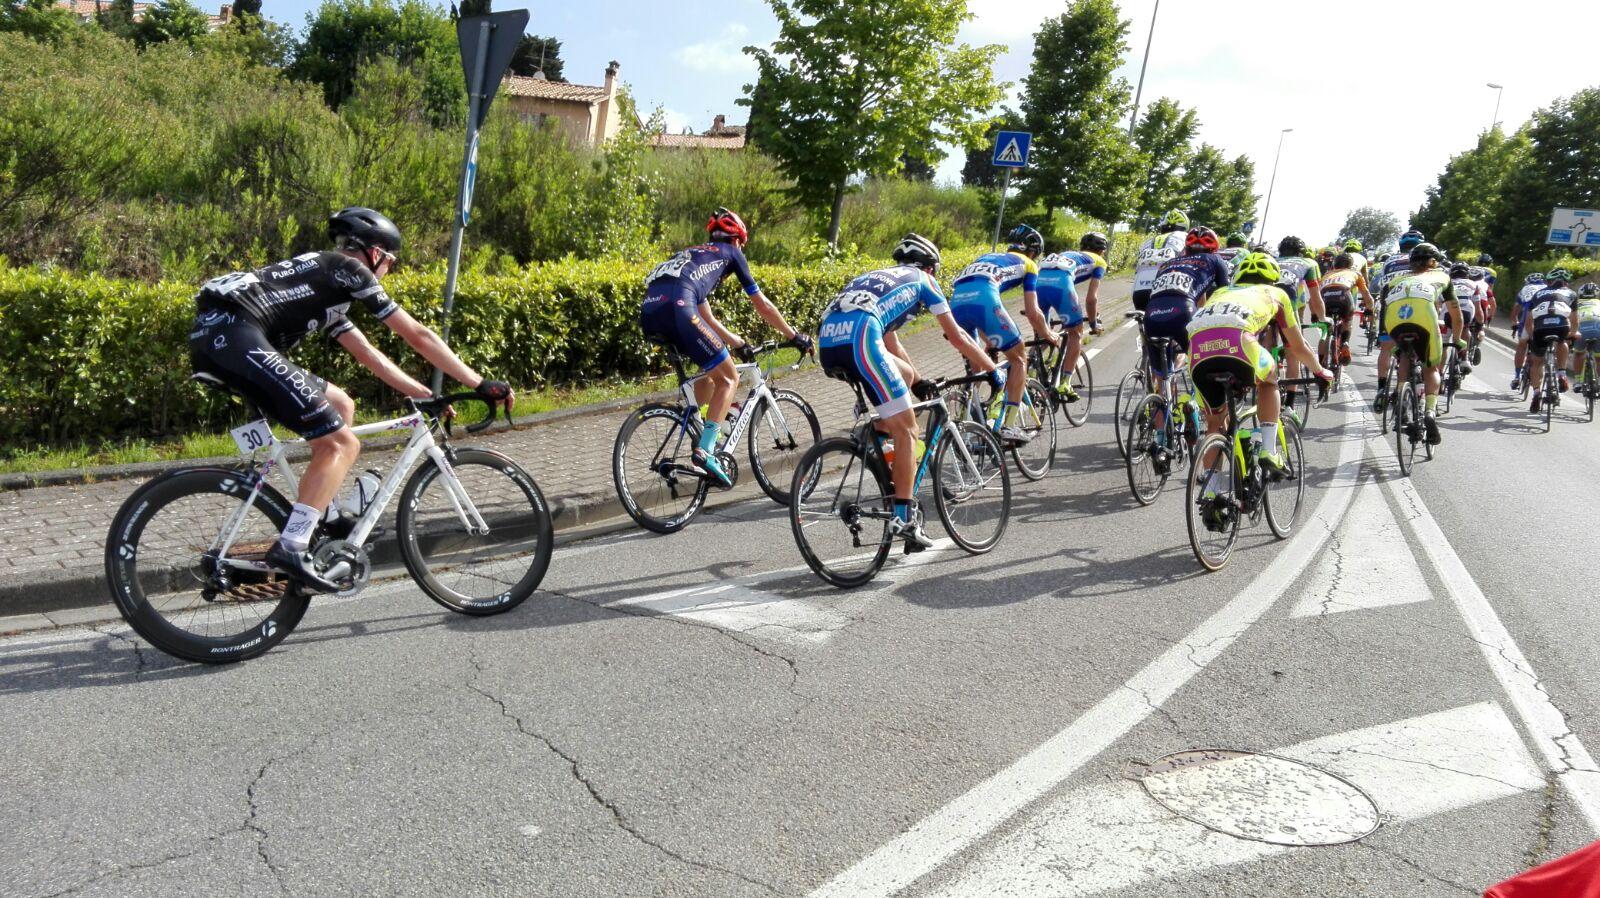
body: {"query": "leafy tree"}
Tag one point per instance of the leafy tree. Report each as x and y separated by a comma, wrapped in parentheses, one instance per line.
(257, 41)
(915, 167)
(1558, 169)
(1073, 104)
(1219, 193)
(343, 35)
(1459, 207)
(43, 20)
(117, 18)
(1163, 137)
(475, 7)
(979, 170)
(851, 87)
(535, 53)
(1372, 226)
(171, 20)
(242, 8)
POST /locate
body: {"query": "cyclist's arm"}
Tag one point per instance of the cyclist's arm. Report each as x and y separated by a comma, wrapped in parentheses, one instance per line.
(1318, 310)
(1030, 308)
(1091, 303)
(1294, 341)
(891, 342)
(1366, 295)
(427, 344)
(972, 352)
(728, 337)
(770, 314)
(1458, 324)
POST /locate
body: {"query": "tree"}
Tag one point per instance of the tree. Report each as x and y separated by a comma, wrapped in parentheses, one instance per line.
(475, 7)
(242, 8)
(1557, 169)
(43, 20)
(979, 170)
(1163, 137)
(914, 167)
(1460, 205)
(343, 35)
(535, 53)
(1373, 227)
(851, 87)
(1220, 194)
(171, 20)
(116, 17)
(1073, 104)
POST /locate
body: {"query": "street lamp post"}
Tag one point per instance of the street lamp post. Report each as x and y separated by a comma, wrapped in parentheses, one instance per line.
(1271, 184)
(1499, 92)
(1138, 92)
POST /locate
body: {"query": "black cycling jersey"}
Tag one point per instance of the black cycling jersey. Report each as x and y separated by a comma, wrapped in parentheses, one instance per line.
(298, 296)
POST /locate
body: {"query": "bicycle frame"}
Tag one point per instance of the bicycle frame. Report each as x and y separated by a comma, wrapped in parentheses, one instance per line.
(421, 443)
(758, 391)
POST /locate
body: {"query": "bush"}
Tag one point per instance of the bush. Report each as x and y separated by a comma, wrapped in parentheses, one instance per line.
(1511, 278)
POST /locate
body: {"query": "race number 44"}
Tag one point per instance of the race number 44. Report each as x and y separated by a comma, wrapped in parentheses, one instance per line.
(252, 437)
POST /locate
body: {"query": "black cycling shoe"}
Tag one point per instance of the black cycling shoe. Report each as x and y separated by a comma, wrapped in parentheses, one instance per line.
(1431, 426)
(298, 566)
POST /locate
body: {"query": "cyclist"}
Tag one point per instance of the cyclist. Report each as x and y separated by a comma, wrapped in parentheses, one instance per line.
(857, 340)
(1358, 257)
(975, 302)
(1410, 305)
(677, 311)
(1481, 278)
(1531, 285)
(1226, 338)
(1469, 291)
(1180, 286)
(1165, 244)
(1300, 277)
(246, 321)
(1549, 317)
(1490, 277)
(1585, 324)
(1059, 277)
(1392, 266)
(1233, 252)
(1339, 289)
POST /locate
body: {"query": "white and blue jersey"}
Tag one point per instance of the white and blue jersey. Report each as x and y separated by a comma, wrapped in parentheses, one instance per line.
(1059, 277)
(850, 338)
(975, 298)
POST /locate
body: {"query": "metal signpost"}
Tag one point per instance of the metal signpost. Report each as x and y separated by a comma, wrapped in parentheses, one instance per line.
(1010, 151)
(487, 44)
(1574, 227)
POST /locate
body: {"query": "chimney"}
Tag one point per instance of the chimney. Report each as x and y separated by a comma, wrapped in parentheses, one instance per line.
(611, 77)
(718, 123)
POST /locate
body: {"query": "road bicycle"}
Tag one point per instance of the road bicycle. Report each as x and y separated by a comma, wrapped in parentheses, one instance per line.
(1451, 374)
(1407, 402)
(982, 404)
(652, 461)
(1161, 430)
(1370, 327)
(842, 499)
(1133, 386)
(1475, 343)
(1228, 485)
(1302, 401)
(185, 554)
(1590, 348)
(1047, 364)
(1550, 387)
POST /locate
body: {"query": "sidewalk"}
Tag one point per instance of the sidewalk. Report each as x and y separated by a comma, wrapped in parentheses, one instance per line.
(54, 536)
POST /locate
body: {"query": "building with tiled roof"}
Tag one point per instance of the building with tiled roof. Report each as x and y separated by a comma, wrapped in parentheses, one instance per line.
(87, 10)
(590, 115)
(722, 136)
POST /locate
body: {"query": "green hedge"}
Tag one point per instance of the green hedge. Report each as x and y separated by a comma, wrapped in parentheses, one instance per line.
(88, 358)
(1511, 278)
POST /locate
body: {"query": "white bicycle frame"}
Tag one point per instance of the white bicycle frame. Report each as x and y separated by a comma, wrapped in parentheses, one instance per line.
(420, 444)
(760, 395)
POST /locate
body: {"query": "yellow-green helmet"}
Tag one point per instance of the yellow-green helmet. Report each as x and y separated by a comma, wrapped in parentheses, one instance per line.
(1260, 266)
(1175, 220)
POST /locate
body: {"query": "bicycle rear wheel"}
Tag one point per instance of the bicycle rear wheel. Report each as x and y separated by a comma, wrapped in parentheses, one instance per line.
(1407, 423)
(1035, 457)
(472, 571)
(1285, 495)
(1134, 385)
(1447, 387)
(1212, 501)
(171, 587)
(1145, 476)
(781, 432)
(1589, 387)
(1082, 381)
(971, 489)
(839, 510)
(652, 468)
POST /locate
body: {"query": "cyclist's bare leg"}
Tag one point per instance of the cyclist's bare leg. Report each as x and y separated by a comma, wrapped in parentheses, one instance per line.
(902, 428)
(1074, 348)
(716, 387)
(1016, 375)
(332, 455)
(1522, 352)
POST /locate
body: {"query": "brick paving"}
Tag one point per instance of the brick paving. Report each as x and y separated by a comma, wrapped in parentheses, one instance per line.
(54, 536)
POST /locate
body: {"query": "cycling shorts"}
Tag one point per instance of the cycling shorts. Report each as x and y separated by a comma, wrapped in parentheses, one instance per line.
(674, 318)
(1166, 316)
(1062, 301)
(1589, 329)
(1418, 319)
(1338, 306)
(977, 307)
(227, 347)
(1467, 316)
(853, 347)
(1218, 351)
(1543, 332)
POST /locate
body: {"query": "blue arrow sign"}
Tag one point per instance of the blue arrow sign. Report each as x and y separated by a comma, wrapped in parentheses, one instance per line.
(1011, 149)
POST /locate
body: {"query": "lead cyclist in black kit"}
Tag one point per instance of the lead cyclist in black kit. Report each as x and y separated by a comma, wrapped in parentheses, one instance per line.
(246, 321)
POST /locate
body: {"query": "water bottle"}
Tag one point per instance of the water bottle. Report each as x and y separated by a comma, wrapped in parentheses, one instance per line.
(355, 500)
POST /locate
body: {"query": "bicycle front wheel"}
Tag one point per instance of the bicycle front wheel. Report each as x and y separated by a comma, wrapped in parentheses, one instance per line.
(839, 509)
(168, 563)
(1286, 495)
(1082, 381)
(484, 549)
(1588, 389)
(781, 433)
(1147, 471)
(653, 469)
(1034, 417)
(1212, 501)
(1134, 386)
(971, 486)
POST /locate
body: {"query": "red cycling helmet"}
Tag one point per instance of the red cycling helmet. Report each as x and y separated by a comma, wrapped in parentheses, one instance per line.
(728, 225)
(1202, 240)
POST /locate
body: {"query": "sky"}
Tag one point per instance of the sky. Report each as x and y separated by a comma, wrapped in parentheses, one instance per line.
(1379, 94)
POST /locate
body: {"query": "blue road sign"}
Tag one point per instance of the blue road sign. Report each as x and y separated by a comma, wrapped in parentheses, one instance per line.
(1011, 149)
(1249, 226)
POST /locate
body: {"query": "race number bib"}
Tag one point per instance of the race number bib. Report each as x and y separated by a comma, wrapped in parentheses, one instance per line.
(670, 268)
(229, 283)
(252, 437)
(1174, 282)
(856, 301)
(1220, 314)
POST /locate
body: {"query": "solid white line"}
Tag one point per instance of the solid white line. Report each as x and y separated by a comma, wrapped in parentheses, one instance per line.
(1114, 836)
(969, 817)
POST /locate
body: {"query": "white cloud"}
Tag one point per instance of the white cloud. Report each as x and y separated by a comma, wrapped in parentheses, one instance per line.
(675, 122)
(723, 53)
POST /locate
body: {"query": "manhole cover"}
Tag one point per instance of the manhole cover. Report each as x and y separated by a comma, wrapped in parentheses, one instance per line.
(1261, 797)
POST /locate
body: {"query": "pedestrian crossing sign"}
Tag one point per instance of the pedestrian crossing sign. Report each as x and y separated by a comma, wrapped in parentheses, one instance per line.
(1011, 149)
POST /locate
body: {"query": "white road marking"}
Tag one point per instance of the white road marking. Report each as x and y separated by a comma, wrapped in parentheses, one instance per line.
(973, 815)
(741, 608)
(1368, 565)
(530, 830)
(1113, 836)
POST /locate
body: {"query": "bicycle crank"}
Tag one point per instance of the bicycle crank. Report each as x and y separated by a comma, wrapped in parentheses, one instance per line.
(345, 563)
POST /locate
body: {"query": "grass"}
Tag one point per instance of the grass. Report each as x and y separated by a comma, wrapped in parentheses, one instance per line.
(33, 460)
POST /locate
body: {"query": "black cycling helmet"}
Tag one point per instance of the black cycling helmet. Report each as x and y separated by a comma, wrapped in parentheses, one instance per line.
(1422, 253)
(1558, 276)
(1589, 290)
(915, 249)
(1235, 239)
(357, 227)
(1291, 246)
(1026, 239)
(1343, 260)
(1460, 270)
(1409, 239)
(1094, 242)
(1485, 259)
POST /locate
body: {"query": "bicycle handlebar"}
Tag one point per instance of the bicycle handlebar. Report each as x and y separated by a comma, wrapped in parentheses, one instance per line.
(437, 406)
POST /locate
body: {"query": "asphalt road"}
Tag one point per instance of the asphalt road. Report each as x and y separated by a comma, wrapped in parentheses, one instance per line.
(699, 715)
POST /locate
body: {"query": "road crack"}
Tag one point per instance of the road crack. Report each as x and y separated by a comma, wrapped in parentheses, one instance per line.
(1449, 883)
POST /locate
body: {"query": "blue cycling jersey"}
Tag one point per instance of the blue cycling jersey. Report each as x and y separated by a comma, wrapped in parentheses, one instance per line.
(1079, 266)
(1191, 277)
(890, 295)
(698, 270)
(1005, 271)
